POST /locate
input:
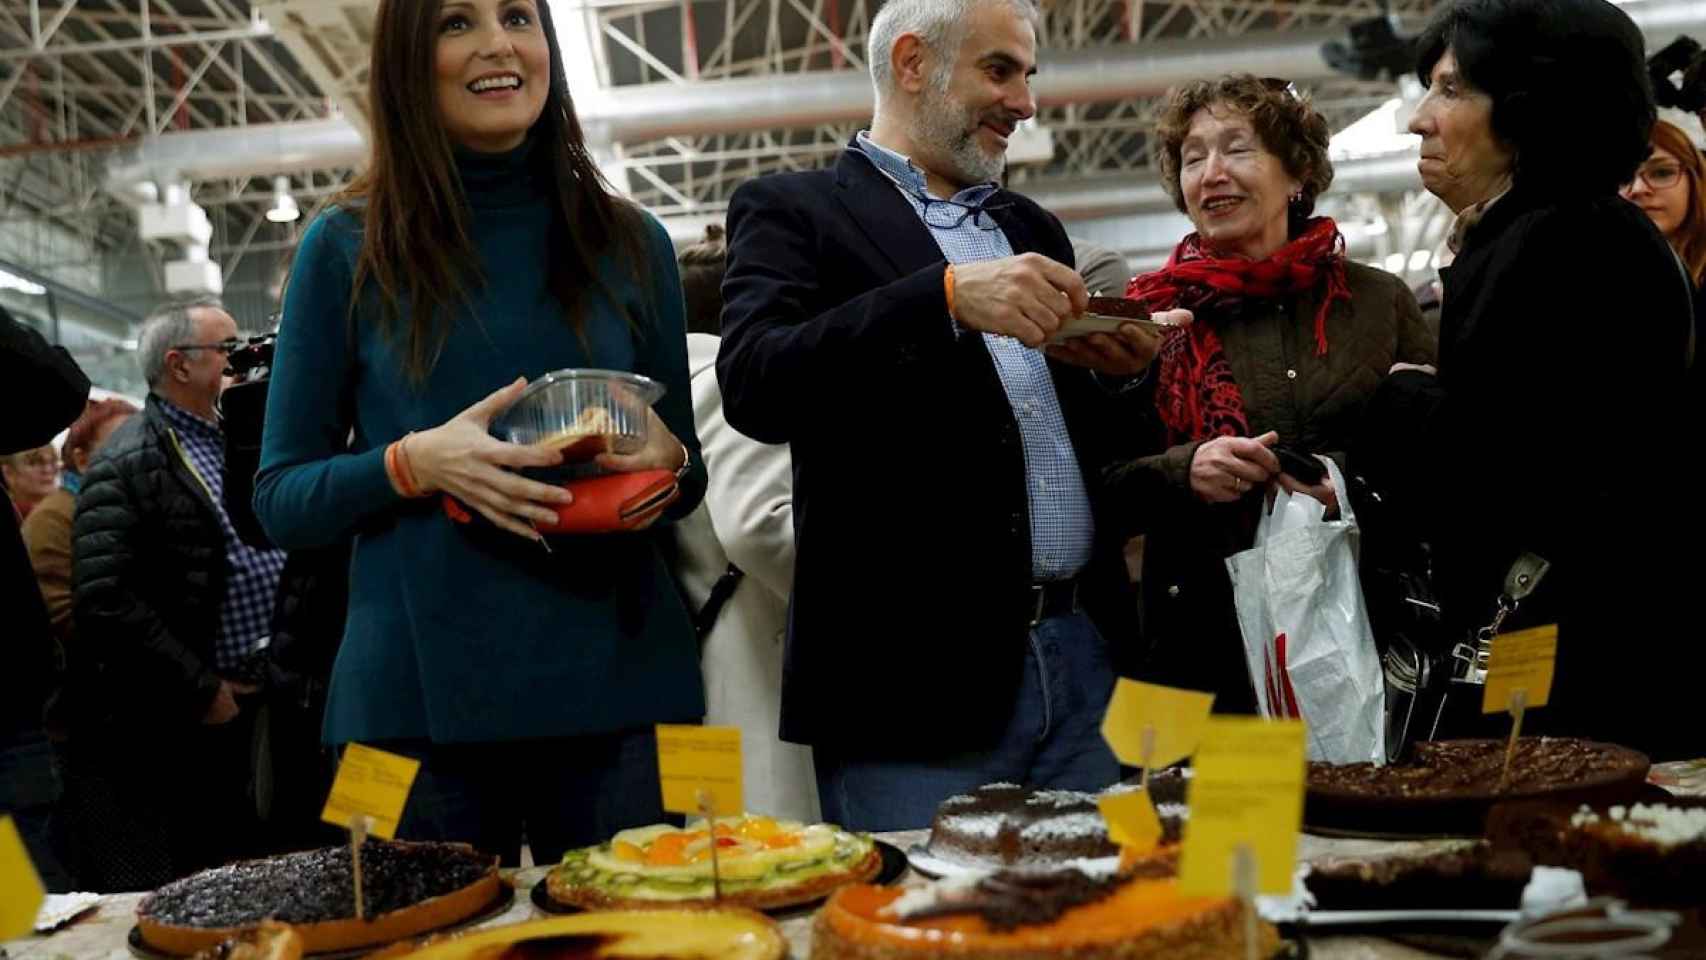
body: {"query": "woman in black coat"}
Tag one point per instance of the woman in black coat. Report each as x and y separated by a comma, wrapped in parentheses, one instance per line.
(1551, 424)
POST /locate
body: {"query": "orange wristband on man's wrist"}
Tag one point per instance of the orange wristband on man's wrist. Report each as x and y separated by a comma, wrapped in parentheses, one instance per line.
(948, 289)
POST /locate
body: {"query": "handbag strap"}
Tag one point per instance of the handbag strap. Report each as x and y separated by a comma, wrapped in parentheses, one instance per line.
(721, 591)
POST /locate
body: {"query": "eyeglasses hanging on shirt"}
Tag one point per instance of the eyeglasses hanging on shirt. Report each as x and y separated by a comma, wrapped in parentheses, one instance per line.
(950, 214)
(942, 214)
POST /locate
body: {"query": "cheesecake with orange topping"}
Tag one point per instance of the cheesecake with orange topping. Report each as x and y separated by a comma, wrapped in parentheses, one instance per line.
(1024, 915)
(761, 862)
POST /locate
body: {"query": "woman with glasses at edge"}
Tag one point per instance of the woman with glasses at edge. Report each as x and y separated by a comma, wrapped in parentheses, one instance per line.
(30, 476)
(1291, 338)
(1670, 187)
(481, 248)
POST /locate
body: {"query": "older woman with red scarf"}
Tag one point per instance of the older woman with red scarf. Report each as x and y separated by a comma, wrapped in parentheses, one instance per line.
(1290, 340)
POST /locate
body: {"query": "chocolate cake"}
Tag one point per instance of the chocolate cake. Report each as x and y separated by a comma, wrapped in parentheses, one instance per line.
(1649, 854)
(1476, 877)
(1006, 825)
(1117, 307)
(1448, 786)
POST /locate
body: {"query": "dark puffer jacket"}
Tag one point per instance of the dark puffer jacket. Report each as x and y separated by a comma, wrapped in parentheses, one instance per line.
(149, 576)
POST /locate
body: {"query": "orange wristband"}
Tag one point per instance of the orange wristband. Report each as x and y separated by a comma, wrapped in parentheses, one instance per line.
(401, 481)
(948, 290)
(407, 467)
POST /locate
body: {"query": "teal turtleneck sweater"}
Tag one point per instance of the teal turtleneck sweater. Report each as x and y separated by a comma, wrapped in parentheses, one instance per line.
(454, 637)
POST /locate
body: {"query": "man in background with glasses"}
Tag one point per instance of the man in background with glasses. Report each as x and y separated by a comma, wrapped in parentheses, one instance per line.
(887, 317)
(169, 602)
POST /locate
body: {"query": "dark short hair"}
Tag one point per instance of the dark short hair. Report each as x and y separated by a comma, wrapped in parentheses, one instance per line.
(1291, 129)
(1569, 85)
(702, 266)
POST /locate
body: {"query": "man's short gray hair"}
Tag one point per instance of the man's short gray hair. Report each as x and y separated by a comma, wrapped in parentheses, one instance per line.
(169, 326)
(940, 24)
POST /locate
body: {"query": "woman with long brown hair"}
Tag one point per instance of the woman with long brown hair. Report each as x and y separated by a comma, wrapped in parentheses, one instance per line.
(482, 248)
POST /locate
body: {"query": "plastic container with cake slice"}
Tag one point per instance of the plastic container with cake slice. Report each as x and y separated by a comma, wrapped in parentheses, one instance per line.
(583, 413)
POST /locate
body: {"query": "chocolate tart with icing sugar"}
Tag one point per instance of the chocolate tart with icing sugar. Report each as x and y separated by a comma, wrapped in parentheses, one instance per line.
(1016, 915)
(663, 933)
(1006, 826)
(409, 889)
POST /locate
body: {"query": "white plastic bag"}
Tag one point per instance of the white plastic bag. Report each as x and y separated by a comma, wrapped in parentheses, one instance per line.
(1307, 638)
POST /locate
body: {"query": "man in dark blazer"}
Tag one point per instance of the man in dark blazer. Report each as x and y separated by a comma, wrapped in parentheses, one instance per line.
(886, 318)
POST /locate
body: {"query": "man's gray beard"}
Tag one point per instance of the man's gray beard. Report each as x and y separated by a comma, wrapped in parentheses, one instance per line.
(951, 131)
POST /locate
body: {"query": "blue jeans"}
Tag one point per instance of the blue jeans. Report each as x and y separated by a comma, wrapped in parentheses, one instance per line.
(29, 791)
(558, 793)
(1054, 740)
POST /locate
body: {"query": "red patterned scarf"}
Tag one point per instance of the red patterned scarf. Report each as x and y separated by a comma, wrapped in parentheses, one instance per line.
(1196, 394)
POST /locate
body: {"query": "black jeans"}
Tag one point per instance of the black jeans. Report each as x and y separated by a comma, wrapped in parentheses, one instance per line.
(29, 792)
(557, 794)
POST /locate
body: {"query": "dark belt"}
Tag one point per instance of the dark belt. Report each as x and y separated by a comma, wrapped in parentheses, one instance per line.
(1057, 598)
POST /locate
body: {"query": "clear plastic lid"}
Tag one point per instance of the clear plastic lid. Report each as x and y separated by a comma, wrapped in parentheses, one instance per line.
(583, 412)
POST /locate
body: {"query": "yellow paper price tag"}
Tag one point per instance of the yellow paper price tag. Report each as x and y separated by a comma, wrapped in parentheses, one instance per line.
(1247, 791)
(691, 759)
(23, 892)
(1132, 821)
(1521, 661)
(374, 783)
(1176, 716)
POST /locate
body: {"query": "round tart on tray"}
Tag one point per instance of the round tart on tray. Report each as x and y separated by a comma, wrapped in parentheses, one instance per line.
(664, 933)
(409, 889)
(1027, 915)
(1449, 786)
(763, 863)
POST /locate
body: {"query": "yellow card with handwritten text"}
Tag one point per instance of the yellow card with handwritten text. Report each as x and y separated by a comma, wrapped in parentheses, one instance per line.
(372, 782)
(1132, 821)
(691, 759)
(23, 889)
(1176, 717)
(1521, 661)
(1247, 791)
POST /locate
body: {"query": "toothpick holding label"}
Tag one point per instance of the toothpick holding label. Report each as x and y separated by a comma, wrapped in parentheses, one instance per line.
(1149, 726)
(1244, 883)
(372, 783)
(1248, 791)
(695, 761)
(358, 825)
(1518, 706)
(711, 827)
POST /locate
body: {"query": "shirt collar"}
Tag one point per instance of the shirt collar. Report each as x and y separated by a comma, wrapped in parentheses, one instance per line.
(187, 420)
(908, 176)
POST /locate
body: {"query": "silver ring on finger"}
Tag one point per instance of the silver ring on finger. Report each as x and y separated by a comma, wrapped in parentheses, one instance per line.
(1238, 484)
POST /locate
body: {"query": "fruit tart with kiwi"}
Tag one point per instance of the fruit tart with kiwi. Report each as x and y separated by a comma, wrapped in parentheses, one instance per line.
(763, 863)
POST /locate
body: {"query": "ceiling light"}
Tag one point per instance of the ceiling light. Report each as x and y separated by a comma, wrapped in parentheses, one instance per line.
(11, 281)
(284, 208)
(1394, 262)
(1419, 259)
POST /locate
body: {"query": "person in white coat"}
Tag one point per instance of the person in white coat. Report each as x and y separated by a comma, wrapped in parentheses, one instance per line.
(742, 536)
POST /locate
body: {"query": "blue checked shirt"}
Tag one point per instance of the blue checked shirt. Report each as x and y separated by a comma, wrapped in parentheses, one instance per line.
(251, 575)
(1061, 523)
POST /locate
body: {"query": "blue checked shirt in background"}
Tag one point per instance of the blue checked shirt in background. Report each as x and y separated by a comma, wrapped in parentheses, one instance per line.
(1061, 523)
(251, 575)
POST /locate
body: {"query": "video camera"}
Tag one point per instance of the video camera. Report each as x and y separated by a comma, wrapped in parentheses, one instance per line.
(1683, 56)
(243, 409)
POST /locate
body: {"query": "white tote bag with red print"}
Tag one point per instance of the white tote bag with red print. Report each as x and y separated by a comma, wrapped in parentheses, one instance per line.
(1307, 637)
